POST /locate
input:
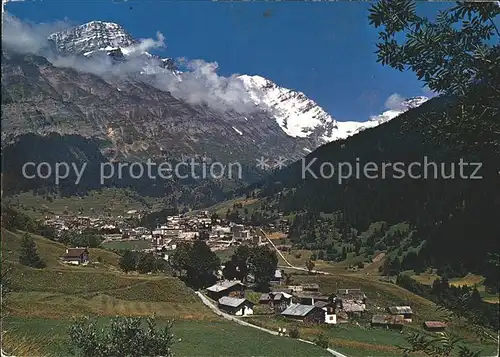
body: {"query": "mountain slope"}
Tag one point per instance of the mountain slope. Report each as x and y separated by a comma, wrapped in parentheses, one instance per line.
(300, 116)
(93, 87)
(452, 219)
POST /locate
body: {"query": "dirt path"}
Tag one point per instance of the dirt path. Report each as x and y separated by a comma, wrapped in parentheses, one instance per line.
(289, 265)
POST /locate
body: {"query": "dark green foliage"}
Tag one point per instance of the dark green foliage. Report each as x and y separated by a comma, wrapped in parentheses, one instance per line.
(310, 266)
(145, 263)
(124, 336)
(90, 240)
(29, 255)
(463, 302)
(450, 53)
(321, 340)
(259, 261)
(13, 219)
(294, 332)
(237, 266)
(198, 261)
(128, 261)
(262, 264)
(180, 259)
(203, 263)
(443, 345)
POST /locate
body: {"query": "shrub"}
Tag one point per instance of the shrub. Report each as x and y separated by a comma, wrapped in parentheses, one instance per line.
(322, 341)
(294, 332)
(124, 336)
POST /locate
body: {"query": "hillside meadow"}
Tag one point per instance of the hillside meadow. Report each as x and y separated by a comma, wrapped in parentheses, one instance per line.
(44, 302)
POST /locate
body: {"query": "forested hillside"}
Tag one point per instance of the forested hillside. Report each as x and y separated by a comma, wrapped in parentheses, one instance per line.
(453, 212)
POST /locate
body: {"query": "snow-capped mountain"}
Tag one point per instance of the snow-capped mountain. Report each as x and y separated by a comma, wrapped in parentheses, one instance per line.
(147, 104)
(296, 114)
(97, 38)
(92, 36)
(300, 116)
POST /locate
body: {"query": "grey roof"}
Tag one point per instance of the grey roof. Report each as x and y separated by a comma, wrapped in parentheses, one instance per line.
(278, 296)
(351, 294)
(278, 274)
(388, 319)
(321, 304)
(265, 297)
(298, 310)
(352, 307)
(398, 310)
(223, 285)
(275, 295)
(231, 301)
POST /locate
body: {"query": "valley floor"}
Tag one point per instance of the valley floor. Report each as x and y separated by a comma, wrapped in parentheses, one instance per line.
(43, 303)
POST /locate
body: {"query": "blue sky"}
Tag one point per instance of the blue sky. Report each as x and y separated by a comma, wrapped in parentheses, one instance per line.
(324, 49)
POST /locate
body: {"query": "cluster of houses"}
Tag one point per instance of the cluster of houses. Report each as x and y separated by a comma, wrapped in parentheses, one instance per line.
(80, 223)
(301, 302)
(305, 303)
(217, 233)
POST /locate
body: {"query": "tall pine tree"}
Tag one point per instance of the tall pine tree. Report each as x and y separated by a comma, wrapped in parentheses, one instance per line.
(29, 255)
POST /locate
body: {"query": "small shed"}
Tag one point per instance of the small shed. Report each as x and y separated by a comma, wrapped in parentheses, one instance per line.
(436, 326)
(406, 311)
(76, 256)
(388, 321)
(306, 313)
(225, 288)
(236, 306)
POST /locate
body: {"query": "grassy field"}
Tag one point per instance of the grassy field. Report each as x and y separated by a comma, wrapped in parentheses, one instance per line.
(221, 208)
(43, 302)
(197, 338)
(299, 257)
(139, 244)
(108, 200)
(471, 280)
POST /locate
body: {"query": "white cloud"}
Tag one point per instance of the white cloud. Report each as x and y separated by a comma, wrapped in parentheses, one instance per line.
(394, 102)
(199, 84)
(146, 44)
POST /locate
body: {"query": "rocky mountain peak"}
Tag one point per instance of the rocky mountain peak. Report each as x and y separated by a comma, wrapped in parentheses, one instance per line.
(92, 36)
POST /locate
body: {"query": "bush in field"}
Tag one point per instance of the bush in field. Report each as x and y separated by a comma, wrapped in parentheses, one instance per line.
(294, 332)
(321, 340)
(124, 336)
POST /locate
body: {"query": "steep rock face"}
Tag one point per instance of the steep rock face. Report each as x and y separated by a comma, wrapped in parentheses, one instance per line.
(92, 36)
(131, 118)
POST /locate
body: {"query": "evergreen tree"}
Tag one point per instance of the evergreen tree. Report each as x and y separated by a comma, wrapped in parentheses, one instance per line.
(29, 255)
(202, 264)
(146, 263)
(262, 264)
(128, 261)
(310, 266)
